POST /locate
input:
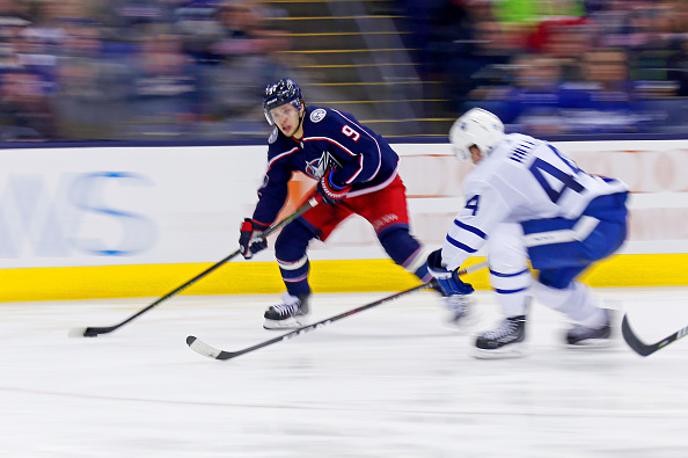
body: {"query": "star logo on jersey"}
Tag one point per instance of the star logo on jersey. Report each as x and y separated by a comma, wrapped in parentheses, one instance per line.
(317, 167)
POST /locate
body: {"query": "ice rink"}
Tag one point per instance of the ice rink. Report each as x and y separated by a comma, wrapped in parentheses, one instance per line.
(394, 381)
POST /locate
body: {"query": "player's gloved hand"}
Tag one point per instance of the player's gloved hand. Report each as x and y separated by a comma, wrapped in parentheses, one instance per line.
(448, 281)
(250, 238)
(330, 191)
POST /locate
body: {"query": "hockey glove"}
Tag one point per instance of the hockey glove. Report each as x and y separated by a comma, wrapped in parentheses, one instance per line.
(331, 192)
(448, 281)
(250, 238)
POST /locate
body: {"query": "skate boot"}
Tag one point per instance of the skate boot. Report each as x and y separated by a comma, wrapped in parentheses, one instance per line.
(505, 341)
(459, 308)
(290, 314)
(580, 336)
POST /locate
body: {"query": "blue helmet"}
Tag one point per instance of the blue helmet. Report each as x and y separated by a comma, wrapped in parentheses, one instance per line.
(280, 92)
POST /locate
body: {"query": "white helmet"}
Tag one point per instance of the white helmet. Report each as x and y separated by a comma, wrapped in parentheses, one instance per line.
(476, 127)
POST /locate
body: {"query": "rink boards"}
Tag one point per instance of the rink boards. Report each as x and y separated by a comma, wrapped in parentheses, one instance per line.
(138, 221)
(263, 277)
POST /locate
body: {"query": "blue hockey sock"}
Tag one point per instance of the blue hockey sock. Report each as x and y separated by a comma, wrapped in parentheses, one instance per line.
(405, 250)
(290, 250)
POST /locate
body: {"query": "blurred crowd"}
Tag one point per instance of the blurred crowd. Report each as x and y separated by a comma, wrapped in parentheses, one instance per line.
(195, 69)
(133, 69)
(560, 67)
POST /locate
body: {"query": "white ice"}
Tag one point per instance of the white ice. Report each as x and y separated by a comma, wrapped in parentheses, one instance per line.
(393, 381)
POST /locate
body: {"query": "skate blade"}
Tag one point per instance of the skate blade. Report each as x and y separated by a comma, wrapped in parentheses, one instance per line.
(591, 344)
(501, 353)
(289, 323)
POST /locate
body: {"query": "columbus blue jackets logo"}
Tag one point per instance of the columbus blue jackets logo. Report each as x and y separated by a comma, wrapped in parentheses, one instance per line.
(318, 115)
(317, 167)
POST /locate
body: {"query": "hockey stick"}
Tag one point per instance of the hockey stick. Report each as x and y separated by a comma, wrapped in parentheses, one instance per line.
(95, 331)
(642, 348)
(204, 349)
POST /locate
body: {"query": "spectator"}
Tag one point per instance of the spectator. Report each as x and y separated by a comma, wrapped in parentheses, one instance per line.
(479, 73)
(164, 99)
(567, 42)
(25, 111)
(91, 91)
(605, 102)
(535, 101)
(245, 64)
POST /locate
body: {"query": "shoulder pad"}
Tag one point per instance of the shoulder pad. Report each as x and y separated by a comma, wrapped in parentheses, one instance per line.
(273, 136)
(318, 115)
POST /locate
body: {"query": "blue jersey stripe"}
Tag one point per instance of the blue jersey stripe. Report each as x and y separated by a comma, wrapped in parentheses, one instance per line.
(470, 228)
(509, 291)
(500, 274)
(460, 245)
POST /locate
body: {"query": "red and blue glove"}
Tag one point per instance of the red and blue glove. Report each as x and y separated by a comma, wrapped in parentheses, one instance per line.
(448, 281)
(251, 237)
(330, 191)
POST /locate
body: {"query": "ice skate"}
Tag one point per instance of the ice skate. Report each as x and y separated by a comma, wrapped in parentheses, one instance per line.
(290, 314)
(460, 310)
(580, 336)
(505, 341)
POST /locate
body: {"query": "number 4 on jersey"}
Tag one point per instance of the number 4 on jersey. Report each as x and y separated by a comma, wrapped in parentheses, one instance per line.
(543, 169)
(473, 203)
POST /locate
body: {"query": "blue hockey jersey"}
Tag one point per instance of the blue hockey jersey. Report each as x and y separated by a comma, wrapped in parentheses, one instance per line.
(331, 138)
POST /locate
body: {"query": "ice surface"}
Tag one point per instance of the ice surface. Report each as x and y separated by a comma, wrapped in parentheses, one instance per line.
(394, 381)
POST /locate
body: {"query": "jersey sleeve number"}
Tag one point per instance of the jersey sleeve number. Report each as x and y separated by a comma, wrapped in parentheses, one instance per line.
(349, 132)
(473, 204)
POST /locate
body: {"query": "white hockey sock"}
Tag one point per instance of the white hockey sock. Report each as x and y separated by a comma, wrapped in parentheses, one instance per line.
(513, 290)
(577, 302)
(514, 304)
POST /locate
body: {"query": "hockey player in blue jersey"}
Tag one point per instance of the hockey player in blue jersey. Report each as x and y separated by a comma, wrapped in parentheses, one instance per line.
(357, 173)
(526, 200)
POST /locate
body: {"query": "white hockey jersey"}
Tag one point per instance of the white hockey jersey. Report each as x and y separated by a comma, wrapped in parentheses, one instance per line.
(522, 179)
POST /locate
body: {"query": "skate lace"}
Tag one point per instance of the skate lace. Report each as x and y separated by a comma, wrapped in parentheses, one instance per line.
(287, 308)
(506, 328)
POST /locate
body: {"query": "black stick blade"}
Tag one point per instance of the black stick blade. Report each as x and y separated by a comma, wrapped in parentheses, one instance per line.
(633, 341)
(94, 332)
(643, 349)
(88, 332)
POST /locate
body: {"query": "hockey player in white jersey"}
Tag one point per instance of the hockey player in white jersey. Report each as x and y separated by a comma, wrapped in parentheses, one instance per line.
(526, 200)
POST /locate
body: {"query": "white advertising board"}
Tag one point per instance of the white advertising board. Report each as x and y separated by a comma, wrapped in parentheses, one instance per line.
(141, 205)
